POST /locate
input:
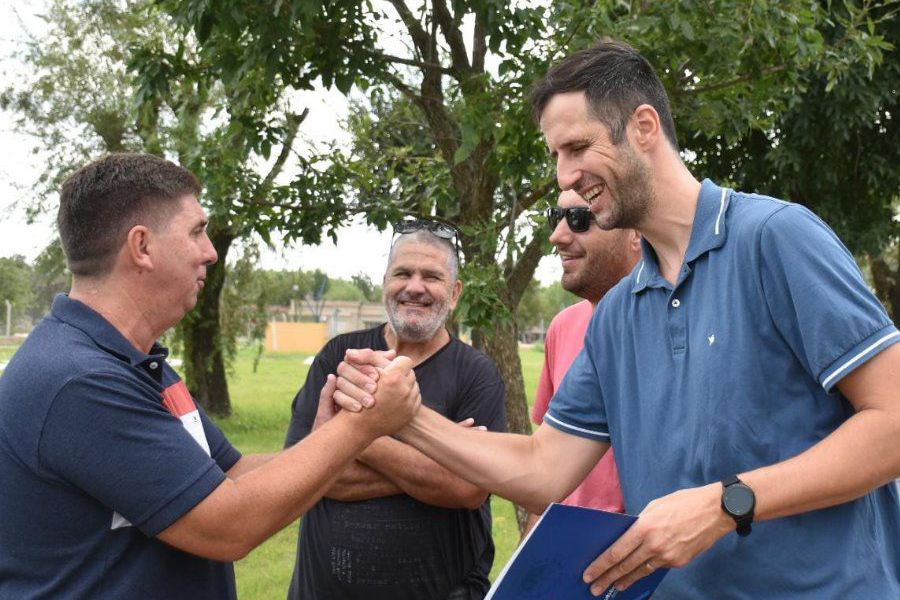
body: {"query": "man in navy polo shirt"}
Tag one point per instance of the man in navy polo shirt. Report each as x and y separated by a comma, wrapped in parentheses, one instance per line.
(745, 374)
(114, 483)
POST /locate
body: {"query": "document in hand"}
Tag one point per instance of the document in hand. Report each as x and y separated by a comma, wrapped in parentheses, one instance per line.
(549, 563)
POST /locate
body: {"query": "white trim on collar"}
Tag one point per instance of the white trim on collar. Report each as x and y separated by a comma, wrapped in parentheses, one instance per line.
(722, 205)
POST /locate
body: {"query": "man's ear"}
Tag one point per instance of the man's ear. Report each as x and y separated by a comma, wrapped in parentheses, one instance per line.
(455, 294)
(137, 247)
(644, 127)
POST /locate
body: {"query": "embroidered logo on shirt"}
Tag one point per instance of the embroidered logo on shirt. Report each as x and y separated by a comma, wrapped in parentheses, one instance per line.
(712, 339)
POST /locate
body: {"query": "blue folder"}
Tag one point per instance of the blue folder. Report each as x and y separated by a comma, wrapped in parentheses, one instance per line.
(549, 563)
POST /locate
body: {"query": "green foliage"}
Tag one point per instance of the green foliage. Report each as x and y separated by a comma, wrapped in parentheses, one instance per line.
(370, 291)
(49, 276)
(344, 290)
(282, 287)
(15, 287)
(831, 145)
(243, 305)
(481, 301)
(541, 303)
(556, 298)
(31, 288)
(530, 311)
(75, 99)
(15, 276)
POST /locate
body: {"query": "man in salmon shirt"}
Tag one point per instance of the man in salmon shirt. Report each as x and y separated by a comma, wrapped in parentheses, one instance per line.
(593, 261)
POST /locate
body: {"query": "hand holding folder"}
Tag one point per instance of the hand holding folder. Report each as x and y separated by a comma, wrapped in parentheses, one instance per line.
(549, 563)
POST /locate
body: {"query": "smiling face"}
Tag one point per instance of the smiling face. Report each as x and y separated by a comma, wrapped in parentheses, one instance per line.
(182, 251)
(612, 178)
(595, 260)
(418, 290)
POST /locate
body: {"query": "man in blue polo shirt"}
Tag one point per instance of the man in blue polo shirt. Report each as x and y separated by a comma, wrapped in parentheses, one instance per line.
(114, 483)
(745, 374)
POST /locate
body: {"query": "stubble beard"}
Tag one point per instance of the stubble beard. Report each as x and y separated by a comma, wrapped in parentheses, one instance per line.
(417, 330)
(631, 196)
(599, 275)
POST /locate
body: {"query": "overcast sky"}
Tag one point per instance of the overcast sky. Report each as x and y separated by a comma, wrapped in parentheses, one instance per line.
(359, 248)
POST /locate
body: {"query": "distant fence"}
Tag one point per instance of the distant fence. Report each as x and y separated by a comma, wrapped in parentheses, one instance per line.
(295, 337)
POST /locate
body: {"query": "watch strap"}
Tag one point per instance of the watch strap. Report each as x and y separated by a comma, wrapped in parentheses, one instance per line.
(743, 522)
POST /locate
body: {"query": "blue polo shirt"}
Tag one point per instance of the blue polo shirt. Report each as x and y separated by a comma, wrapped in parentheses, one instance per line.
(101, 449)
(731, 369)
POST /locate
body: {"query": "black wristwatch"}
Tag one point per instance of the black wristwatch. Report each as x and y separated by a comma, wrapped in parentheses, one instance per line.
(738, 501)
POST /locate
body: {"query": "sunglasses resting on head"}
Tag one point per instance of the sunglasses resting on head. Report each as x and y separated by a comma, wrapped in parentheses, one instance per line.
(441, 229)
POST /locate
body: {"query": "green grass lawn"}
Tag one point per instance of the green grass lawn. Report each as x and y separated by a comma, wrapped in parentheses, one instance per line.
(6, 352)
(261, 403)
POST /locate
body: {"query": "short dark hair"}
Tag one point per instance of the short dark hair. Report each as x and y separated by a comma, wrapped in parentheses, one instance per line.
(103, 200)
(616, 79)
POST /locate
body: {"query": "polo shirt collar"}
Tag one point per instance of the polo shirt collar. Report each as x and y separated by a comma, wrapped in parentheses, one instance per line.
(86, 319)
(707, 233)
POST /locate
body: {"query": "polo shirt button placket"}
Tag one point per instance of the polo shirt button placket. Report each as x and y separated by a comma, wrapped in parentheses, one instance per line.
(154, 370)
(677, 327)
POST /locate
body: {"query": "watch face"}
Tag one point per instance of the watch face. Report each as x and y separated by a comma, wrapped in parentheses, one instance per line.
(738, 500)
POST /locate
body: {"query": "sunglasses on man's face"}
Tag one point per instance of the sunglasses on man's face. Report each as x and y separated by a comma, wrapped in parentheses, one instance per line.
(578, 218)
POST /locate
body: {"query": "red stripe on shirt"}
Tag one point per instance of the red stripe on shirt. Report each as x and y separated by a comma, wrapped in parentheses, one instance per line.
(177, 399)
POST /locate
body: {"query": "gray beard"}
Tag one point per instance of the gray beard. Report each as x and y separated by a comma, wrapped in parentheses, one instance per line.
(420, 330)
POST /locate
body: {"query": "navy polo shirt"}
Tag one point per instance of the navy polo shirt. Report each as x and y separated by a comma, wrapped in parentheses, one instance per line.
(101, 449)
(731, 369)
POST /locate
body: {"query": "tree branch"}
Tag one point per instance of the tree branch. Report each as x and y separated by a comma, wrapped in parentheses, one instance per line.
(404, 89)
(419, 36)
(742, 79)
(453, 35)
(412, 63)
(528, 200)
(479, 44)
(293, 126)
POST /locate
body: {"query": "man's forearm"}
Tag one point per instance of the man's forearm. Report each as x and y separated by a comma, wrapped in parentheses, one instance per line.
(248, 462)
(243, 512)
(529, 470)
(860, 455)
(421, 477)
(360, 482)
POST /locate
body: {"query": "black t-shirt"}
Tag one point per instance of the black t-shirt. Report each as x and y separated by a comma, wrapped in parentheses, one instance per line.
(396, 547)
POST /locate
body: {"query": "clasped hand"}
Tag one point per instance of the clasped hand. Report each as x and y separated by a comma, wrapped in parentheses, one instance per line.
(380, 381)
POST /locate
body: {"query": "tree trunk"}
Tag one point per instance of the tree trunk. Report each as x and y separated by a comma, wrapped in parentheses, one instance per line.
(204, 360)
(502, 344)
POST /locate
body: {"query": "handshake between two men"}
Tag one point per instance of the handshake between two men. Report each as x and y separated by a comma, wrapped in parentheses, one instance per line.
(380, 381)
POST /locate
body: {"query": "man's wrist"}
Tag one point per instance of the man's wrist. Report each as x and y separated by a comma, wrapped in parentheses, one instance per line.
(720, 521)
(361, 425)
